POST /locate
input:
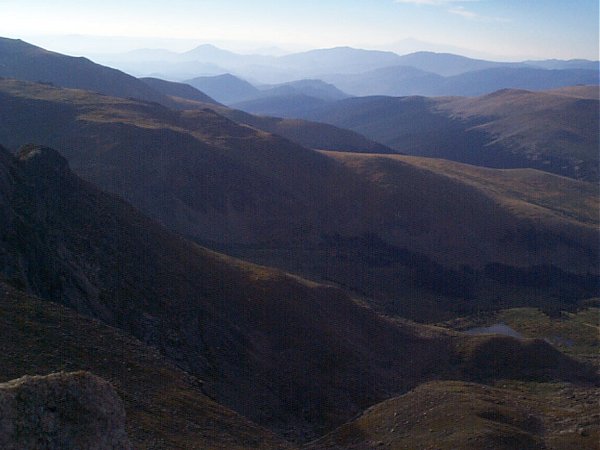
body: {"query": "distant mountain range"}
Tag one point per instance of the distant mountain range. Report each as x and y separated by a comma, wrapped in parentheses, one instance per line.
(302, 79)
(406, 80)
(361, 72)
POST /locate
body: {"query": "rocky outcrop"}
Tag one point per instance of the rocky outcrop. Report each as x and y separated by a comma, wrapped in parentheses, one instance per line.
(61, 411)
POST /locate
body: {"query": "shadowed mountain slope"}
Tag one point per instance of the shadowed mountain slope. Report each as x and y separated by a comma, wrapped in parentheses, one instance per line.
(261, 197)
(249, 332)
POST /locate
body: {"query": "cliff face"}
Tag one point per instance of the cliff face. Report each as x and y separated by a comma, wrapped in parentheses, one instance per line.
(61, 411)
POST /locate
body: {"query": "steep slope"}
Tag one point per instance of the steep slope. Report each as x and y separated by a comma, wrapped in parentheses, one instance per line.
(261, 197)
(24, 61)
(251, 333)
(165, 407)
(544, 130)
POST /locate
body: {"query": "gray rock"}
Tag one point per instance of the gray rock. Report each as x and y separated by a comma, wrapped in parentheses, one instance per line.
(61, 411)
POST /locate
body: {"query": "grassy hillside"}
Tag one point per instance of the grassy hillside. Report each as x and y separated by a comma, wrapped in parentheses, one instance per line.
(457, 416)
(548, 125)
(530, 193)
(506, 414)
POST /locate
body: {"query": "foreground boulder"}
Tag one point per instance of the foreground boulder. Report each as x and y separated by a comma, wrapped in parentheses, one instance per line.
(61, 411)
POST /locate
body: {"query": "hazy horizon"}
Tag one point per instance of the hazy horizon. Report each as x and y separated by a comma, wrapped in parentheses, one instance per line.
(489, 29)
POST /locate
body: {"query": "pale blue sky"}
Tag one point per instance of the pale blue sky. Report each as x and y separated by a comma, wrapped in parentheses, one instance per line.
(506, 28)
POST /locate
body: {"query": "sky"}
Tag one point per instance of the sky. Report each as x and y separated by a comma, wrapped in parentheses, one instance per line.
(504, 29)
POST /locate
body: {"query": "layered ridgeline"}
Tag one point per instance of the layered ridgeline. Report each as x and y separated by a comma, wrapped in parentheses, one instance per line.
(309, 134)
(250, 333)
(554, 131)
(23, 61)
(388, 229)
(357, 71)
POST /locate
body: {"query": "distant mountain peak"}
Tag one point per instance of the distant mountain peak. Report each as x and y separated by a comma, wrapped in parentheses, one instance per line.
(209, 49)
